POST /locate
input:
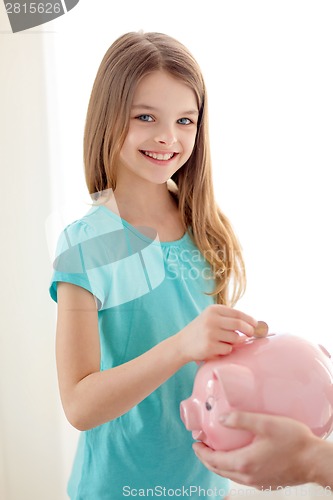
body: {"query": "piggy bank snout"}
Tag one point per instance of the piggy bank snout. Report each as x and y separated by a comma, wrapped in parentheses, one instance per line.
(190, 414)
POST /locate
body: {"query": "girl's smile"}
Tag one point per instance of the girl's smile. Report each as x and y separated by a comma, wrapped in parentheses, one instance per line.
(162, 129)
(160, 158)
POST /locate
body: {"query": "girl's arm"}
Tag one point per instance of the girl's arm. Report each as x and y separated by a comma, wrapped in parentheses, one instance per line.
(91, 397)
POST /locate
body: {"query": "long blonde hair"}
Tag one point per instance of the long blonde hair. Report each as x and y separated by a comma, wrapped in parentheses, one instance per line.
(126, 62)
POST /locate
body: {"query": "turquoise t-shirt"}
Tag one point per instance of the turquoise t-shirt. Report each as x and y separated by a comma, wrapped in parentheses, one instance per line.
(145, 291)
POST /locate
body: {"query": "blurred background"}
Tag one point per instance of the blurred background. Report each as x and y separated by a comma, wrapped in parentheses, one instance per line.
(268, 69)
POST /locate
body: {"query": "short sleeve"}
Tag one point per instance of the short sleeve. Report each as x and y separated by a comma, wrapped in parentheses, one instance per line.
(112, 260)
(72, 259)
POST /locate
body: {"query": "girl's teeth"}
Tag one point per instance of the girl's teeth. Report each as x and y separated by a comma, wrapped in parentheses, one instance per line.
(158, 156)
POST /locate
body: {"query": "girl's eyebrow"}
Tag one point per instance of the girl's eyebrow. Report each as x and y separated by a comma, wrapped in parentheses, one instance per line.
(151, 108)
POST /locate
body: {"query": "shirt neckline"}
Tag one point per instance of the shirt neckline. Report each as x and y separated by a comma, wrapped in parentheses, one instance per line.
(129, 226)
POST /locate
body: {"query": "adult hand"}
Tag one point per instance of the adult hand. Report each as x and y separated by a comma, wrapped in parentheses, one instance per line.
(284, 452)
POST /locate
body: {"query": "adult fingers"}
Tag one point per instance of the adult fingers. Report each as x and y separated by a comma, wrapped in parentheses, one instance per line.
(210, 458)
(219, 462)
(258, 424)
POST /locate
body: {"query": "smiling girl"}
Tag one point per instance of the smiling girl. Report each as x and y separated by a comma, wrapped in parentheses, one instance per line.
(145, 281)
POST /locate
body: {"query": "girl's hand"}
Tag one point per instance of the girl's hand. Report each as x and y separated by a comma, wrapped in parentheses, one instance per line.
(214, 332)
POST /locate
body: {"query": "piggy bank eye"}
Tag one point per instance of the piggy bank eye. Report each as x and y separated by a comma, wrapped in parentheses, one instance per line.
(209, 404)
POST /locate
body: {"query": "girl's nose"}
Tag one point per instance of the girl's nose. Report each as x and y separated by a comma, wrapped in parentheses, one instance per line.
(166, 137)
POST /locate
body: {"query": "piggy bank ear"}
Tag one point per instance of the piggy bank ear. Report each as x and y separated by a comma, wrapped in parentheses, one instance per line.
(237, 381)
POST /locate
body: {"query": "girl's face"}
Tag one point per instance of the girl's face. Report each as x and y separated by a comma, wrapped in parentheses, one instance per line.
(162, 129)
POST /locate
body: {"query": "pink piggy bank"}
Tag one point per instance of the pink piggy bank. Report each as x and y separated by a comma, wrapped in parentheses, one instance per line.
(280, 374)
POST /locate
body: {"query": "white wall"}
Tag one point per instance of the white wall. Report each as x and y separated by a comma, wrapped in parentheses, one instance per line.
(30, 424)
(269, 76)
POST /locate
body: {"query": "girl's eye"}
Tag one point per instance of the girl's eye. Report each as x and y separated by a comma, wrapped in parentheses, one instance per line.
(145, 118)
(184, 121)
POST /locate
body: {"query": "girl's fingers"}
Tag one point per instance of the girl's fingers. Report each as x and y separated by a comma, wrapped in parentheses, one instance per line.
(229, 312)
(236, 325)
(225, 349)
(229, 337)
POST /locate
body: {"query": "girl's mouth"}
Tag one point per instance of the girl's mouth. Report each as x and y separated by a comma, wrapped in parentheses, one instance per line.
(159, 156)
